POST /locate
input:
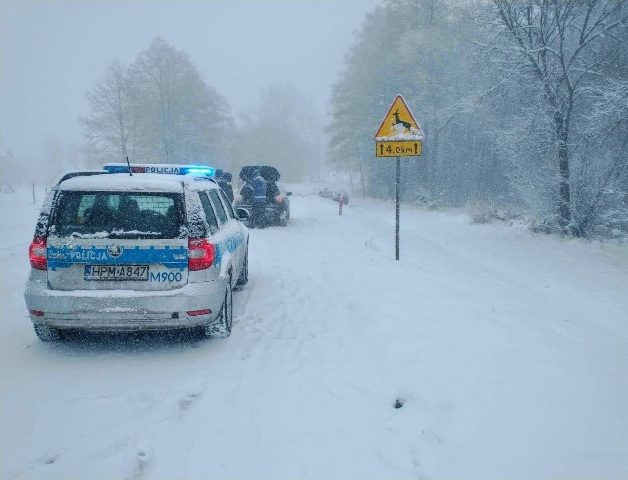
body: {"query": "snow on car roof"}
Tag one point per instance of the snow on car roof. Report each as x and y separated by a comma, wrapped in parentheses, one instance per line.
(125, 182)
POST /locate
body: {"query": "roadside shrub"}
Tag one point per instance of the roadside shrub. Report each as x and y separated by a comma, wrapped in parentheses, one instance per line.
(433, 205)
(481, 212)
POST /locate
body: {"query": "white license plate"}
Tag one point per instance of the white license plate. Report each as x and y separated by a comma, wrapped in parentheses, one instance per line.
(116, 273)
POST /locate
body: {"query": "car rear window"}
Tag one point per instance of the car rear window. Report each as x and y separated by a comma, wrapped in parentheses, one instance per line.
(118, 215)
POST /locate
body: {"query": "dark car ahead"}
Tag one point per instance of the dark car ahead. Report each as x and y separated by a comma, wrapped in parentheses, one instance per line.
(276, 204)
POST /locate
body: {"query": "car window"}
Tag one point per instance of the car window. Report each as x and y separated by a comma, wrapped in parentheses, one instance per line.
(227, 204)
(218, 208)
(209, 213)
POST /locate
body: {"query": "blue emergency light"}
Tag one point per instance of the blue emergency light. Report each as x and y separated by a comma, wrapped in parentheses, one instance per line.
(161, 168)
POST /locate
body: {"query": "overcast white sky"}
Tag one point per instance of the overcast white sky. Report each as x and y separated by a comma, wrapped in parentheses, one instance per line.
(52, 52)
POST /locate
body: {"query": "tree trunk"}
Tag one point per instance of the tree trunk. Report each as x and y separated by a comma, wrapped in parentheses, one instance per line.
(349, 172)
(564, 193)
(362, 178)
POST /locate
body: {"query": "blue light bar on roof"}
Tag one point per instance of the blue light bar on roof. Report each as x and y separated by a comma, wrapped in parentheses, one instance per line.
(201, 170)
(209, 171)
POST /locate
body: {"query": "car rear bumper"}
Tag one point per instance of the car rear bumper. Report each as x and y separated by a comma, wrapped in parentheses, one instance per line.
(119, 310)
(272, 209)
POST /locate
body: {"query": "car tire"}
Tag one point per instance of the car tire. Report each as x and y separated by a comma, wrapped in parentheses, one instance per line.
(47, 334)
(244, 274)
(284, 217)
(221, 328)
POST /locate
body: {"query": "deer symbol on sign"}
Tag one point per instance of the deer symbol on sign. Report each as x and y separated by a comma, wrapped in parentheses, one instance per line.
(398, 121)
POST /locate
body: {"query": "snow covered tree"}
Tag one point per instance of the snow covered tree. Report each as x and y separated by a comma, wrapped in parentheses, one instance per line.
(107, 127)
(522, 104)
(556, 50)
(158, 110)
(421, 49)
(284, 130)
(180, 118)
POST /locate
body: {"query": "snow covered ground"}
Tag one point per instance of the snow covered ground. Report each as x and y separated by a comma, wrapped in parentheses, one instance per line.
(509, 352)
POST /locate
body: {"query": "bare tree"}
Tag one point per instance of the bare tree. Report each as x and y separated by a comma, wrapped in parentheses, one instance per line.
(157, 109)
(534, 120)
(283, 130)
(560, 46)
(107, 127)
(180, 118)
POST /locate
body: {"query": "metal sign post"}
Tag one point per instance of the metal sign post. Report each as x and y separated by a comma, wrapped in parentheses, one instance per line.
(397, 181)
(399, 135)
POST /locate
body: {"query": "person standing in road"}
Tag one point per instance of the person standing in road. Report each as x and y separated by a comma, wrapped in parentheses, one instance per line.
(228, 188)
(259, 187)
(223, 180)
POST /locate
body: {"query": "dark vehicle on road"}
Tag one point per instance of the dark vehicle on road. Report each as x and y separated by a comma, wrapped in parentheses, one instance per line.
(274, 207)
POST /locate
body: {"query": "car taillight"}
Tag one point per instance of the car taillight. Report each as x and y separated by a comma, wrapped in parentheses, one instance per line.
(37, 253)
(201, 254)
(196, 313)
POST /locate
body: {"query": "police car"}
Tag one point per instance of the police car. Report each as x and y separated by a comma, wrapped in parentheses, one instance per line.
(158, 247)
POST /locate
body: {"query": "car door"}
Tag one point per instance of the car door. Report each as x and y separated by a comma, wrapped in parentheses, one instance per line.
(231, 237)
(243, 232)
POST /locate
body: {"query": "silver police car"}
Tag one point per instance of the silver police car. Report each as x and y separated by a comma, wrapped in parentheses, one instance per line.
(156, 247)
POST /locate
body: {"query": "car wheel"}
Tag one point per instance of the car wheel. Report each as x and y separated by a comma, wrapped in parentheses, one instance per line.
(244, 274)
(284, 216)
(221, 327)
(47, 334)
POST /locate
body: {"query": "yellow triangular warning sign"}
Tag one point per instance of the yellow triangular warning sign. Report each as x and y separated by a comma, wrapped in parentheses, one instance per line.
(399, 124)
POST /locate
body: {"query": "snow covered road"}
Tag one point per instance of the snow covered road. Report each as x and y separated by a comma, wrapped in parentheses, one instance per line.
(509, 352)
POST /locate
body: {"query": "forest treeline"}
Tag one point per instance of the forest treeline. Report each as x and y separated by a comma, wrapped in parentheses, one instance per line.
(524, 105)
(160, 110)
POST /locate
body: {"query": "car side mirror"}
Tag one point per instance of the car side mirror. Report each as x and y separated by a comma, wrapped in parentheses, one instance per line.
(242, 214)
(288, 194)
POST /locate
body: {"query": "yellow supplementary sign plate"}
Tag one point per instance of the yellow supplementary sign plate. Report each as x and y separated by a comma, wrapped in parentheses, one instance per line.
(399, 125)
(405, 148)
